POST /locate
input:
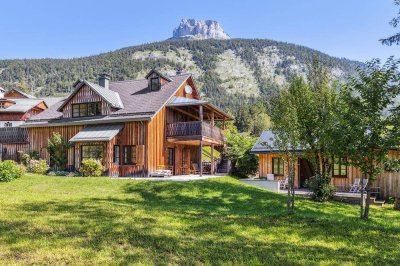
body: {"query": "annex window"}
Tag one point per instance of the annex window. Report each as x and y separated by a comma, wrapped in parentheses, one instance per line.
(277, 166)
(92, 152)
(86, 109)
(155, 84)
(340, 167)
(116, 159)
(129, 154)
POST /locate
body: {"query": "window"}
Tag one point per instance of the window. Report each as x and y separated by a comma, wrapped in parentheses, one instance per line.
(2, 106)
(277, 166)
(340, 167)
(86, 109)
(170, 156)
(154, 84)
(7, 124)
(129, 154)
(92, 152)
(116, 158)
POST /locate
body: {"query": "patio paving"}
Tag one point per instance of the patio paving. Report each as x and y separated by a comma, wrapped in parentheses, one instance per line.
(176, 178)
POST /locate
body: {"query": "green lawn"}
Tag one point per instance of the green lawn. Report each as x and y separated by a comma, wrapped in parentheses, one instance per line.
(60, 220)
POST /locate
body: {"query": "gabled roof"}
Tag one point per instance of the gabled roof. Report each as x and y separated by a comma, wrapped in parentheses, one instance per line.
(21, 105)
(108, 95)
(26, 95)
(158, 73)
(265, 144)
(2, 90)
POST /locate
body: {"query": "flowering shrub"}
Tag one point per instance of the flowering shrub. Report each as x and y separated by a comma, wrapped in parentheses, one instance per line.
(37, 166)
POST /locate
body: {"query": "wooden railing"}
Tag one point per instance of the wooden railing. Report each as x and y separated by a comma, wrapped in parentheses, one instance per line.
(196, 128)
(13, 135)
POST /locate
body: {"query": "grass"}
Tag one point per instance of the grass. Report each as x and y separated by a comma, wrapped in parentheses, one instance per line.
(86, 221)
(207, 154)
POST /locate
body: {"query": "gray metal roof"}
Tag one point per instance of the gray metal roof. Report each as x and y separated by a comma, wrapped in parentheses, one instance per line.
(21, 105)
(265, 144)
(182, 101)
(97, 133)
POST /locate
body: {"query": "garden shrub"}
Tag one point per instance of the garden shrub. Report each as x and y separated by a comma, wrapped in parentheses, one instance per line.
(91, 167)
(61, 173)
(25, 157)
(38, 166)
(320, 187)
(10, 170)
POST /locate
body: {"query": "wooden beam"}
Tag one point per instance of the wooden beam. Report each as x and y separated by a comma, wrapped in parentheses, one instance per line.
(212, 159)
(185, 112)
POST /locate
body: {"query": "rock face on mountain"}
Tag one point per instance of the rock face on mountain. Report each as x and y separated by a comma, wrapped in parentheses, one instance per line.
(190, 29)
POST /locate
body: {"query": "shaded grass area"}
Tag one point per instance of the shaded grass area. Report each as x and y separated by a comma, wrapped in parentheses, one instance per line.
(58, 220)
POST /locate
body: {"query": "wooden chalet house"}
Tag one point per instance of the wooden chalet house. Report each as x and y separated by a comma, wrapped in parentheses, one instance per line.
(15, 108)
(343, 175)
(134, 127)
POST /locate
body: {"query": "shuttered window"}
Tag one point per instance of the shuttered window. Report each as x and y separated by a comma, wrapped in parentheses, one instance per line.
(129, 154)
(116, 157)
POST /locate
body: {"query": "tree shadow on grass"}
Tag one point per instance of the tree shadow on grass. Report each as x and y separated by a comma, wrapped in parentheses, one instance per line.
(210, 222)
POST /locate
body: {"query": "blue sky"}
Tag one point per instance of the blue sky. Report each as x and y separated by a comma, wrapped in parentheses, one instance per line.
(64, 29)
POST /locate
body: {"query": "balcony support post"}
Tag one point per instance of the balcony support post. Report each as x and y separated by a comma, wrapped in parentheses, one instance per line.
(201, 141)
(212, 160)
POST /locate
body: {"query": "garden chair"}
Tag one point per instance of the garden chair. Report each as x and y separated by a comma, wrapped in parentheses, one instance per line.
(284, 184)
(354, 187)
(195, 169)
(364, 185)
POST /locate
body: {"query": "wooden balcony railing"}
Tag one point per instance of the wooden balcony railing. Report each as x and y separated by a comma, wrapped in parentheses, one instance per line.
(196, 128)
(13, 135)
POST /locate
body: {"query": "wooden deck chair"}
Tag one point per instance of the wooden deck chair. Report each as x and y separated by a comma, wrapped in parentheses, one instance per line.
(195, 169)
(355, 186)
(364, 185)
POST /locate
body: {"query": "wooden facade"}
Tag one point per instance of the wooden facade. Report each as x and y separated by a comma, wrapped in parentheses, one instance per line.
(153, 147)
(388, 182)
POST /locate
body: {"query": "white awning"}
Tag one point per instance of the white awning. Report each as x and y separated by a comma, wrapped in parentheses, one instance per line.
(97, 133)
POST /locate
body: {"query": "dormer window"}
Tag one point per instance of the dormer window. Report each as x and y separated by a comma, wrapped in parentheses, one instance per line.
(155, 84)
(2, 106)
(7, 124)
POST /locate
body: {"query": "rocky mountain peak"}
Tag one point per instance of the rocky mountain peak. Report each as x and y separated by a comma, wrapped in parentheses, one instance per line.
(190, 29)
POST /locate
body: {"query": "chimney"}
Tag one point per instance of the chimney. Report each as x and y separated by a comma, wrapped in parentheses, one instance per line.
(104, 80)
(178, 70)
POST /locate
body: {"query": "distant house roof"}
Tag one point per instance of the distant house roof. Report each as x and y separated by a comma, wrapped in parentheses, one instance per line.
(24, 94)
(108, 95)
(21, 105)
(97, 133)
(50, 101)
(2, 90)
(265, 144)
(139, 103)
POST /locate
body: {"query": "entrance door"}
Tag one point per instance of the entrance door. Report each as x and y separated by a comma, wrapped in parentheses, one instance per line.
(171, 159)
(305, 171)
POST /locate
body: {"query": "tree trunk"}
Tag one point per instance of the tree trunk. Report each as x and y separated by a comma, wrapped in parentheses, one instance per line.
(366, 212)
(397, 203)
(362, 199)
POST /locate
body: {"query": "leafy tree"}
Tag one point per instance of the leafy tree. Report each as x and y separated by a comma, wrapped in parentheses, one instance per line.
(312, 106)
(369, 124)
(244, 163)
(395, 39)
(286, 137)
(57, 148)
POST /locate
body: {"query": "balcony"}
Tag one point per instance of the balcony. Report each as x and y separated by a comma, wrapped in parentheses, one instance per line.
(195, 131)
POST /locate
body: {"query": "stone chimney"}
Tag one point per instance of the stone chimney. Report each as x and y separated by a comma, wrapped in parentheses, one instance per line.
(104, 80)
